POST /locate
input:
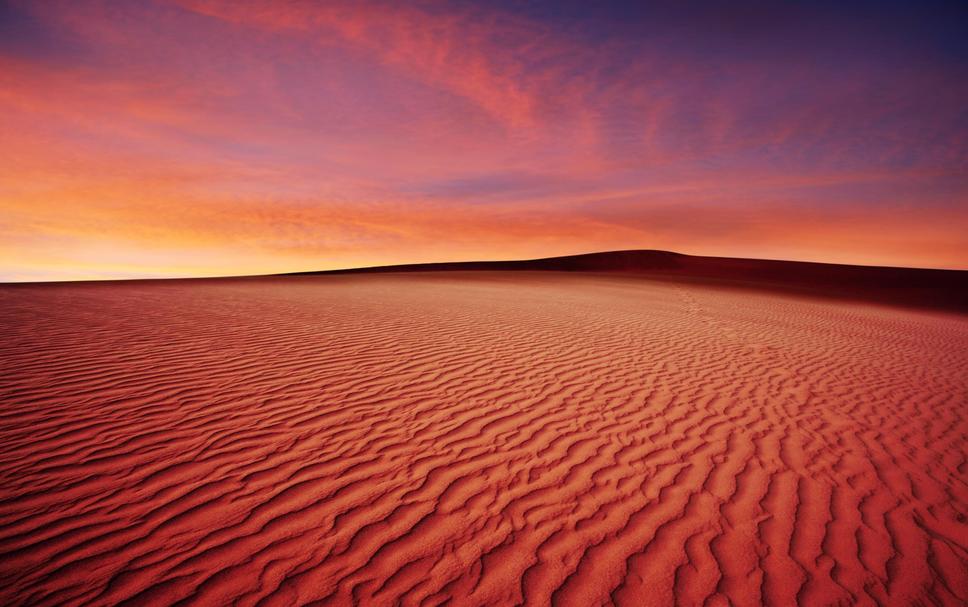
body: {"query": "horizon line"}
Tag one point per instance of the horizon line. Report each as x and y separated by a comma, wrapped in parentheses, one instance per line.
(388, 267)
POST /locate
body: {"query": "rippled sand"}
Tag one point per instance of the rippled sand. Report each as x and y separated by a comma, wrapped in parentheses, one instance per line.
(477, 439)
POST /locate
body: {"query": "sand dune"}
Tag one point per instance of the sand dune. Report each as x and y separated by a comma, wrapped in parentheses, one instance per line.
(910, 287)
(483, 438)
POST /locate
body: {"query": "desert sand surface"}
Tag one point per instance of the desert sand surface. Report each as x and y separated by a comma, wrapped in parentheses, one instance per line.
(486, 438)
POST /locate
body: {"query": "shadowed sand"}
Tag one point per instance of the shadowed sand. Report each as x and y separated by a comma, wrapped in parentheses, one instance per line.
(478, 438)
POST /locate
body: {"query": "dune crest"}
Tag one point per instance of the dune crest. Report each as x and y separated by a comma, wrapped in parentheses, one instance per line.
(911, 287)
(485, 439)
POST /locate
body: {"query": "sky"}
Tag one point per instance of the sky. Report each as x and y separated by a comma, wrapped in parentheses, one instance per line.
(168, 138)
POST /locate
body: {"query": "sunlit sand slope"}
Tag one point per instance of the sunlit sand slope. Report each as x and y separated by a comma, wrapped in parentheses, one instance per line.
(484, 439)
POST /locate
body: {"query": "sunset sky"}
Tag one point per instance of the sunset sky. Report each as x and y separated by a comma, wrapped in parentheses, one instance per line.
(211, 137)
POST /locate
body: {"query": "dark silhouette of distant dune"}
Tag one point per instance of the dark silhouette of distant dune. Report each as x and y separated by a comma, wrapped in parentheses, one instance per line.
(910, 287)
(943, 289)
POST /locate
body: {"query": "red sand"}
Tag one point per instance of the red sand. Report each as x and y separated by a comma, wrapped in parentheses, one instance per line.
(493, 438)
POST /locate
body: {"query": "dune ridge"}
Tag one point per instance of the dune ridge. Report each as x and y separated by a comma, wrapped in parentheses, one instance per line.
(485, 438)
(916, 287)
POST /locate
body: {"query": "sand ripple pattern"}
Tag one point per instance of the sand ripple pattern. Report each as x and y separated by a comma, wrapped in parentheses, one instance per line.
(494, 439)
